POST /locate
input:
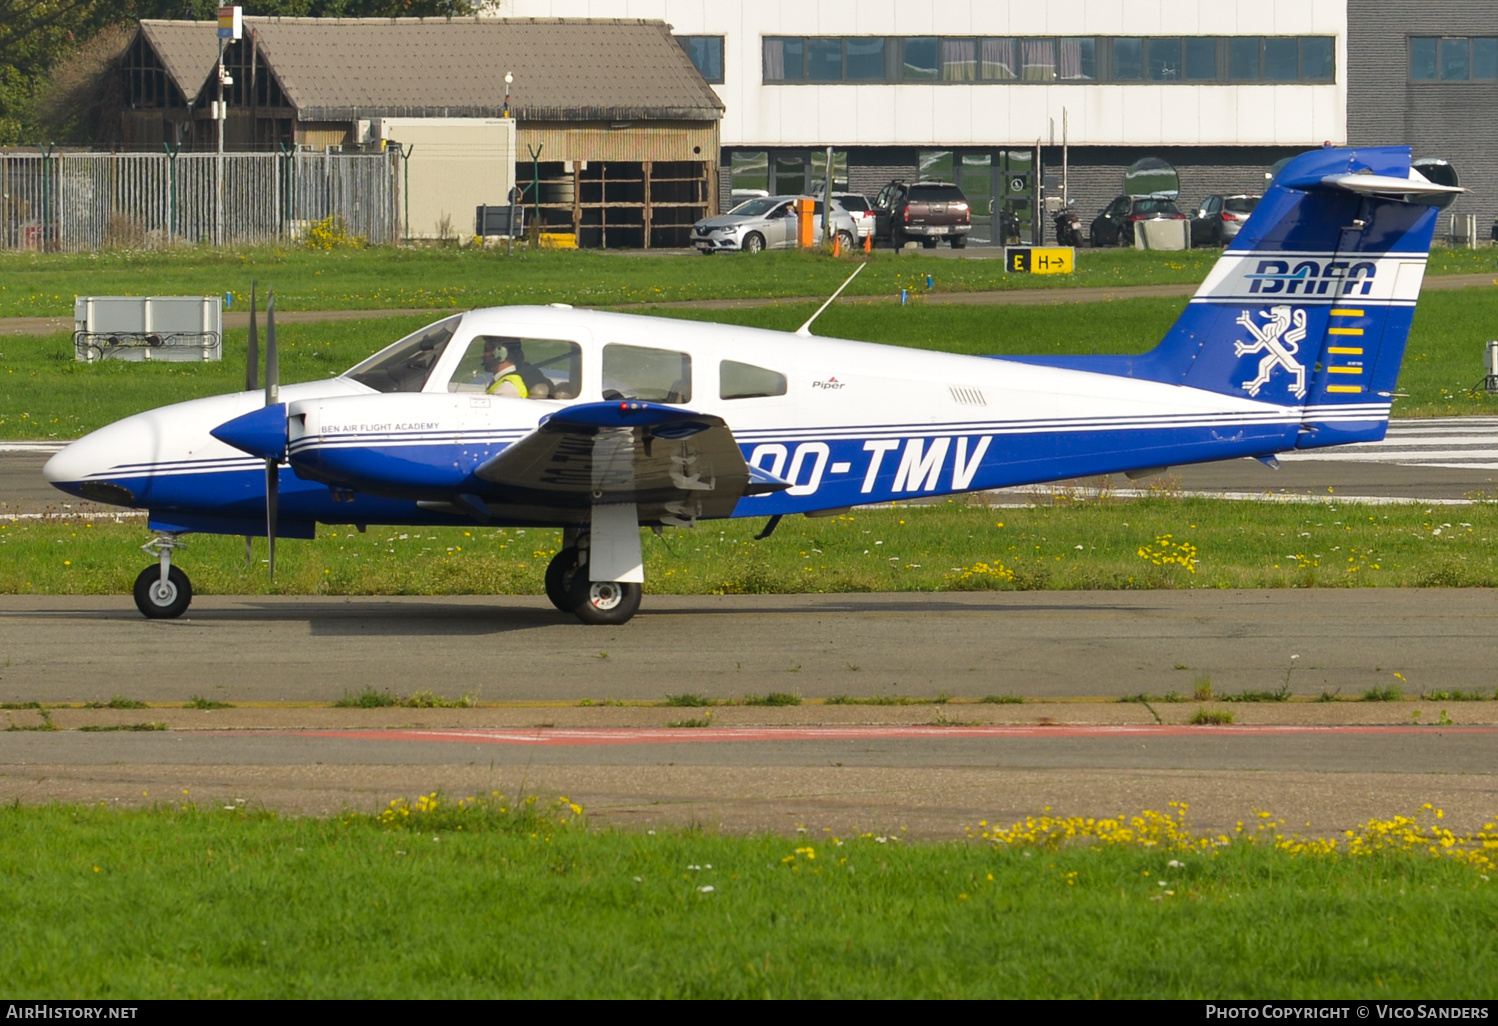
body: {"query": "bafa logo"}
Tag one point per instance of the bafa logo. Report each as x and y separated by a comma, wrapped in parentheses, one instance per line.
(1310, 278)
(1279, 340)
(831, 384)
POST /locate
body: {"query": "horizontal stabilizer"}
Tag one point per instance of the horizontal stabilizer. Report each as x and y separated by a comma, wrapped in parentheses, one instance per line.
(1388, 185)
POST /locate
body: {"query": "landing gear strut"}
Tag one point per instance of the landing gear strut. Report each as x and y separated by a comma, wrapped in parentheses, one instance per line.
(163, 592)
(604, 603)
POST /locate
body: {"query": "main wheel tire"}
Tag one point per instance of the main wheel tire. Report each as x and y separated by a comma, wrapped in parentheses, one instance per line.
(603, 603)
(162, 602)
(559, 574)
(754, 242)
(959, 242)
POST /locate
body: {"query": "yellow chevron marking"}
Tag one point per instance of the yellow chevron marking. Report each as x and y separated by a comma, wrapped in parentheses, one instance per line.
(1347, 313)
(1344, 370)
(1344, 331)
(1344, 388)
(1344, 350)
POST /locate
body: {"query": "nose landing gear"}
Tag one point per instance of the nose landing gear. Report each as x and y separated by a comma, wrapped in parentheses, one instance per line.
(163, 592)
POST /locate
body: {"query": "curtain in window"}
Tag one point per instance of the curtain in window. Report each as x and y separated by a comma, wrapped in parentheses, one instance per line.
(998, 60)
(774, 60)
(1040, 60)
(958, 60)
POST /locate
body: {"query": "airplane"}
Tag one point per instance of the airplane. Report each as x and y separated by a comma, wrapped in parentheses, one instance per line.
(613, 422)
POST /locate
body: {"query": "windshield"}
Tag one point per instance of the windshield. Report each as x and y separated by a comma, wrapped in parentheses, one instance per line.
(937, 193)
(1240, 204)
(755, 207)
(405, 366)
(1154, 206)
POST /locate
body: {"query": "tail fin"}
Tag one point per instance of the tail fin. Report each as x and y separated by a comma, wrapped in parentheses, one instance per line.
(1311, 305)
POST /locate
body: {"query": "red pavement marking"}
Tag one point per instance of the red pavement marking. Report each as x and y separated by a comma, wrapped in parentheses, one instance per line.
(550, 736)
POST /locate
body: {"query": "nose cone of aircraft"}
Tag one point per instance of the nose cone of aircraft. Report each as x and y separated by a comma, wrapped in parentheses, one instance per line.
(84, 467)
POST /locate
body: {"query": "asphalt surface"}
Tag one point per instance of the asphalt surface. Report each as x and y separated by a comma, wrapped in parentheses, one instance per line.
(1035, 644)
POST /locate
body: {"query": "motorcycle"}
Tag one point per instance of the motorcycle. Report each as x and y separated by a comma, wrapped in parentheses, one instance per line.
(1068, 225)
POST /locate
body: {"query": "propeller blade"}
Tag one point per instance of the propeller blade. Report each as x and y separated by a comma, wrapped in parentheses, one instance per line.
(272, 363)
(251, 383)
(252, 354)
(272, 503)
(272, 398)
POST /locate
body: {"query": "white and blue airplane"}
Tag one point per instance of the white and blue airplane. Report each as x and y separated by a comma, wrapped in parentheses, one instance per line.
(1294, 341)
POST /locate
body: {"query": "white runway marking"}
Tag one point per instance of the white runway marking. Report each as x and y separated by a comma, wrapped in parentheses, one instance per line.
(1455, 442)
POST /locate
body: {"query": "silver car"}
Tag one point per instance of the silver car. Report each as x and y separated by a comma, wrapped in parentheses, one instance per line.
(766, 222)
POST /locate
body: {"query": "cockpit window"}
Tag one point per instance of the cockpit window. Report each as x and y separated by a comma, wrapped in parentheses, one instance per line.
(548, 368)
(746, 381)
(406, 365)
(654, 375)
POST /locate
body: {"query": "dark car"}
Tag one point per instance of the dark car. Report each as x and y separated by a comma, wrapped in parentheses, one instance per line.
(929, 211)
(1115, 225)
(1218, 219)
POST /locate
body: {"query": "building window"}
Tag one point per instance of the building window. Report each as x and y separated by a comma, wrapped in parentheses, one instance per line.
(1128, 59)
(706, 52)
(1201, 59)
(1453, 59)
(1485, 59)
(1197, 60)
(1164, 60)
(783, 59)
(864, 59)
(920, 59)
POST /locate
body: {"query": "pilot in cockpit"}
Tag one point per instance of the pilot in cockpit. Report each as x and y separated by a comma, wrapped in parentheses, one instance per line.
(504, 361)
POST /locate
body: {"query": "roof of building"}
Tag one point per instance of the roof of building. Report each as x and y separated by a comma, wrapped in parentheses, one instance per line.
(565, 69)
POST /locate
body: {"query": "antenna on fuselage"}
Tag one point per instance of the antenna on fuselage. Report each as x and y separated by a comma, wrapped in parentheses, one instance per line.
(805, 330)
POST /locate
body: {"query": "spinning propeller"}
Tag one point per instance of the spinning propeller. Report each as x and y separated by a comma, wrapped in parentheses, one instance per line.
(263, 432)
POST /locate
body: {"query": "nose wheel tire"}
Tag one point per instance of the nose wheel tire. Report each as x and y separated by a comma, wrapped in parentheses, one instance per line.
(559, 574)
(160, 601)
(603, 603)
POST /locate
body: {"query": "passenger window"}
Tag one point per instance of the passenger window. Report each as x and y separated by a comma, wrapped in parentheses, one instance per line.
(745, 381)
(654, 375)
(550, 368)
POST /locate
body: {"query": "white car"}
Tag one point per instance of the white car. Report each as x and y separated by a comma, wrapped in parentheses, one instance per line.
(767, 222)
(860, 209)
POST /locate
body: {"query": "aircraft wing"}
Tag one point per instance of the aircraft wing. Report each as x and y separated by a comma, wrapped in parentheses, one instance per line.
(673, 464)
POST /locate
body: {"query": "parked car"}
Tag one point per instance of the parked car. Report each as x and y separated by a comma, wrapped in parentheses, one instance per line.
(1217, 220)
(860, 209)
(1115, 225)
(926, 210)
(766, 222)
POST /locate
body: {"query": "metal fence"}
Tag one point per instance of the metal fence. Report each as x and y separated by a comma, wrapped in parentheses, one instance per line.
(86, 201)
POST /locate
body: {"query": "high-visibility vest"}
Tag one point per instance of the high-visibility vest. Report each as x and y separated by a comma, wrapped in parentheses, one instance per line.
(513, 378)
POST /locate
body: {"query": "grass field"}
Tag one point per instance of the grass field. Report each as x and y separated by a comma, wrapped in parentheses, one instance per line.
(436, 899)
(33, 285)
(45, 393)
(1153, 543)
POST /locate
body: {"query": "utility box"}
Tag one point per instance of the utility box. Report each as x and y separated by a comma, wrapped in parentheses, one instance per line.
(495, 221)
(456, 166)
(805, 222)
(177, 329)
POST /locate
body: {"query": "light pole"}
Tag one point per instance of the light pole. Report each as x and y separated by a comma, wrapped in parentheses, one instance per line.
(230, 27)
(509, 79)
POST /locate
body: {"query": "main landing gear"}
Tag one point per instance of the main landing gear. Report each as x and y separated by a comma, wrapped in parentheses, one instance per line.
(163, 592)
(602, 603)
